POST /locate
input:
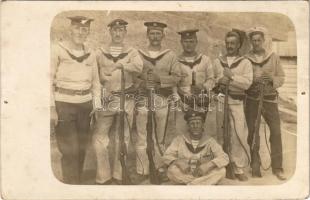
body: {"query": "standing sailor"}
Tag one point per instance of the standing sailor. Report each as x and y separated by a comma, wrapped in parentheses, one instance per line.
(111, 60)
(161, 69)
(236, 71)
(75, 85)
(199, 72)
(267, 71)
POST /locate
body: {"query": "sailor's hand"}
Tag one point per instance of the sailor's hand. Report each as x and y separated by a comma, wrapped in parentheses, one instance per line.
(267, 78)
(228, 73)
(224, 80)
(263, 79)
(54, 119)
(195, 90)
(119, 66)
(151, 80)
(197, 172)
(182, 164)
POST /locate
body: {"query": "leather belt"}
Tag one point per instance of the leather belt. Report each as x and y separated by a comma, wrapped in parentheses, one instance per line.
(72, 92)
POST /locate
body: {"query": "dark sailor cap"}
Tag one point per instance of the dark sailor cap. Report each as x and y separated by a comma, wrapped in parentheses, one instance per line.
(192, 114)
(80, 20)
(189, 33)
(155, 25)
(118, 23)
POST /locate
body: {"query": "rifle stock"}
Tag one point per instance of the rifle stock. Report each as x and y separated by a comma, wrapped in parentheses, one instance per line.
(154, 176)
(226, 146)
(255, 144)
(123, 149)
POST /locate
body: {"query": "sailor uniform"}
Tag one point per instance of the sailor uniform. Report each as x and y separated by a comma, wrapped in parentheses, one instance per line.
(270, 65)
(208, 150)
(75, 86)
(167, 69)
(242, 79)
(108, 119)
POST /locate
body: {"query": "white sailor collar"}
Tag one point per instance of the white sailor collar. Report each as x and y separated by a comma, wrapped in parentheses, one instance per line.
(223, 59)
(182, 57)
(146, 53)
(202, 142)
(65, 46)
(251, 57)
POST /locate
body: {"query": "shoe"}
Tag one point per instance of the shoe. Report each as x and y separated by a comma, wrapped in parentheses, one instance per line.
(255, 165)
(108, 182)
(241, 177)
(280, 175)
(140, 178)
(256, 171)
(117, 182)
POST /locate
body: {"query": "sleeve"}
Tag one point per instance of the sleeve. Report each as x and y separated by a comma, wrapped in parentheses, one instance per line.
(243, 81)
(209, 82)
(174, 74)
(220, 157)
(171, 154)
(217, 71)
(54, 67)
(134, 63)
(279, 76)
(96, 86)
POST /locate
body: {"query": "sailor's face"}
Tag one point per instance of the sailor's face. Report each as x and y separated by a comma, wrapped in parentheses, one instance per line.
(189, 44)
(118, 34)
(257, 41)
(155, 37)
(195, 127)
(79, 34)
(232, 45)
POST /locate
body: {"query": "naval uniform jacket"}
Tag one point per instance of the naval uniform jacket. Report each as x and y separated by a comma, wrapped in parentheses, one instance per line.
(271, 66)
(111, 78)
(200, 69)
(74, 73)
(165, 66)
(242, 79)
(208, 150)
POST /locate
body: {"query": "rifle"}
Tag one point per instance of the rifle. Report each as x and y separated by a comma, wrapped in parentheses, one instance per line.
(255, 139)
(123, 149)
(154, 176)
(226, 146)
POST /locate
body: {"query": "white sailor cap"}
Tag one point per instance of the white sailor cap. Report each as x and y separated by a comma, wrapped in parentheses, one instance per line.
(257, 30)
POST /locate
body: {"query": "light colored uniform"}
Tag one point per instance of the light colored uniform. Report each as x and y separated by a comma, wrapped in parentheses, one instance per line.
(242, 79)
(108, 120)
(67, 73)
(202, 68)
(75, 84)
(166, 67)
(208, 150)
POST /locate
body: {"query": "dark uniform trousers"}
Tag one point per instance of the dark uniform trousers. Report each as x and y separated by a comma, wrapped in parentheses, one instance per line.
(271, 115)
(72, 135)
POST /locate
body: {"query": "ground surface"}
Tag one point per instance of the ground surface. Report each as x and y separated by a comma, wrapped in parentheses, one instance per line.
(289, 156)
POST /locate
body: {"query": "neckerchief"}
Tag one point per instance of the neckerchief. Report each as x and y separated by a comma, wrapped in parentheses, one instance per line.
(191, 148)
(76, 58)
(115, 59)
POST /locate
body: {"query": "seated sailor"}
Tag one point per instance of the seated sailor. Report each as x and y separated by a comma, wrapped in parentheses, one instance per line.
(195, 158)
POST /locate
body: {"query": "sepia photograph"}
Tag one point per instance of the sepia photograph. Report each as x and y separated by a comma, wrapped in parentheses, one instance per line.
(154, 100)
(189, 98)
